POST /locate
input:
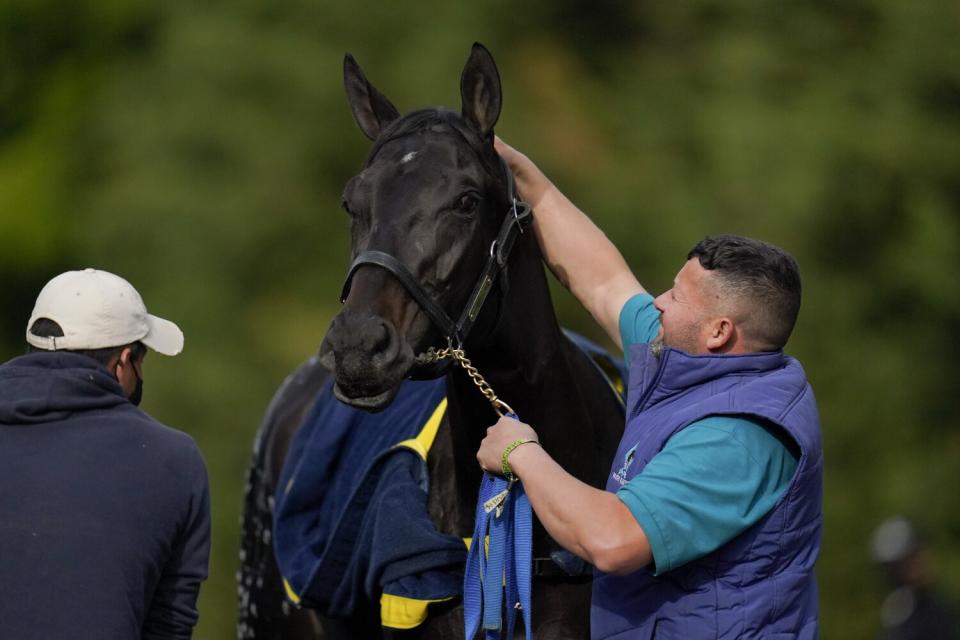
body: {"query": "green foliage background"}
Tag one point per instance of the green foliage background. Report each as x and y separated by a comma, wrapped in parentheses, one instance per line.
(199, 149)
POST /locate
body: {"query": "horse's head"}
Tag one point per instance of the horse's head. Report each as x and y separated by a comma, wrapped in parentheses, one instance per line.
(431, 198)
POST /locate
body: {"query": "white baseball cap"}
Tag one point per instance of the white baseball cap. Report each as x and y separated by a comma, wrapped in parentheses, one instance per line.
(97, 309)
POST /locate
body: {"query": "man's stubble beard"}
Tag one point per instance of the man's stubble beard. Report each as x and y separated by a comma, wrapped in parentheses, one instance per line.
(656, 348)
(685, 339)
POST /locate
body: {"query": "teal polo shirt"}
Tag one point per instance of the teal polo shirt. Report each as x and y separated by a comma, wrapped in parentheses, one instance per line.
(711, 481)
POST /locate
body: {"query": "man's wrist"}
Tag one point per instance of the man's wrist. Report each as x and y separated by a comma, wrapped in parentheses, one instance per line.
(518, 459)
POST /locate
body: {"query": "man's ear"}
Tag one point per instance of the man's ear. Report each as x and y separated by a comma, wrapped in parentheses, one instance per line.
(126, 359)
(722, 336)
(115, 364)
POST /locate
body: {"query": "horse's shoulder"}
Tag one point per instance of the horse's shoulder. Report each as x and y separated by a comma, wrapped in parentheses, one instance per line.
(299, 388)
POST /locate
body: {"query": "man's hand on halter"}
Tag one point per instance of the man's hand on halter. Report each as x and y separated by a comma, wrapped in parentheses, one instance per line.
(578, 253)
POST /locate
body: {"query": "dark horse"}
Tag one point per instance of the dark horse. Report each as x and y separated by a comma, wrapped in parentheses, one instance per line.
(433, 195)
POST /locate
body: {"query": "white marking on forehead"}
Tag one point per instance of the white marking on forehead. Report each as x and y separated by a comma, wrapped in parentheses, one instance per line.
(408, 157)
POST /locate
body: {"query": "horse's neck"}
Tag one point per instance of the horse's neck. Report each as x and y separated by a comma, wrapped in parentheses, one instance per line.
(524, 351)
(534, 368)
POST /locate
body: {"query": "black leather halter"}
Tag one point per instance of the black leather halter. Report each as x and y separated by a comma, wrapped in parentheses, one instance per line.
(516, 220)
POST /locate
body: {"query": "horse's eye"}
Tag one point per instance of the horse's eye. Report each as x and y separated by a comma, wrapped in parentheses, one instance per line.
(468, 203)
(346, 206)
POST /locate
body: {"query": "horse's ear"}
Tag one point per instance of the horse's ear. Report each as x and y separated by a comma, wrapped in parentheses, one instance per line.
(371, 109)
(480, 90)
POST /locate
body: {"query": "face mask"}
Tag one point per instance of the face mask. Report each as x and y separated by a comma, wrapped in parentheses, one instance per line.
(137, 394)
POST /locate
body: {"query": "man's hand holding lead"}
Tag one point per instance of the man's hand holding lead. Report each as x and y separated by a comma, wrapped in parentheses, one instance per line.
(499, 437)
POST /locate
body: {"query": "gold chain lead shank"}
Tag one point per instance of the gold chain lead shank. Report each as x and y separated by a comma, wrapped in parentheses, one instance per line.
(457, 355)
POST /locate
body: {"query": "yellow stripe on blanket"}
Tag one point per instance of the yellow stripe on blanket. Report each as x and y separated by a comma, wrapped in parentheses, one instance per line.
(397, 612)
(424, 440)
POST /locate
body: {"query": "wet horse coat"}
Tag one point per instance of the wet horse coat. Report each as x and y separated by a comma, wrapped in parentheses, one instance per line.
(432, 194)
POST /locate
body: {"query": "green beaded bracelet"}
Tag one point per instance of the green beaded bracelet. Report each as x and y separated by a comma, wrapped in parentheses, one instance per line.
(504, 465)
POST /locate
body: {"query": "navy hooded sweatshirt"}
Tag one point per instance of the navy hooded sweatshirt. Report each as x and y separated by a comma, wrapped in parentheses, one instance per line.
(104, 512)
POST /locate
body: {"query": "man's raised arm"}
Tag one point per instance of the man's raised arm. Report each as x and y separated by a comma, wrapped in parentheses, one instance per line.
(578, 253)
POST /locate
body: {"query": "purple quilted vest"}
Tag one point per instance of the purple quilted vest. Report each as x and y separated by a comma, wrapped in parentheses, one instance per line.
(761, 584)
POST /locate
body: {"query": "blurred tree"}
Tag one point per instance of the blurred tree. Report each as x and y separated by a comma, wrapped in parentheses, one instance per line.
(52, 59)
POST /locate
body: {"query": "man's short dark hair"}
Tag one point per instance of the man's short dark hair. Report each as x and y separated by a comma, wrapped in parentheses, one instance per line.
(764, 278)
(47, 328)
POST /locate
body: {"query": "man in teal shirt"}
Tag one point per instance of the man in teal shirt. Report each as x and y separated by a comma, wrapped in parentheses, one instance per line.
(710, 484)
(744, 466)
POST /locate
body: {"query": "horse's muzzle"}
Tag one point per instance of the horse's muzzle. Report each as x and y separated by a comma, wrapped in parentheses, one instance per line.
(367, 357)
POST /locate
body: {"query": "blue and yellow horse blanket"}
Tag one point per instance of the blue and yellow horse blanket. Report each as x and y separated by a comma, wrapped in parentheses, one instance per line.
(350, 518)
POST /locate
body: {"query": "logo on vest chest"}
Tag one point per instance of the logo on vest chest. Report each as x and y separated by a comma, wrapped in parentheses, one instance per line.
(620, 475)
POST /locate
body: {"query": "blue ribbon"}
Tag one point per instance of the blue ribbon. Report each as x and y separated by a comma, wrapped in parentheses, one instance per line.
(503, 513)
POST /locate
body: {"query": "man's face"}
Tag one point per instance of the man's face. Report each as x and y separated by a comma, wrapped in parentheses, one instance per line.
(686, 309)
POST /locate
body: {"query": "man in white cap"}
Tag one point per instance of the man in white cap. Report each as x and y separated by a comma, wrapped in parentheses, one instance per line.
(104, 512)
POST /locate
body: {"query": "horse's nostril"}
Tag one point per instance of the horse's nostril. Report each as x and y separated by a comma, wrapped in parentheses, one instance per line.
(359, 339)
(328, 359)
(366, 354)
(384, 344)
(383, 338)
